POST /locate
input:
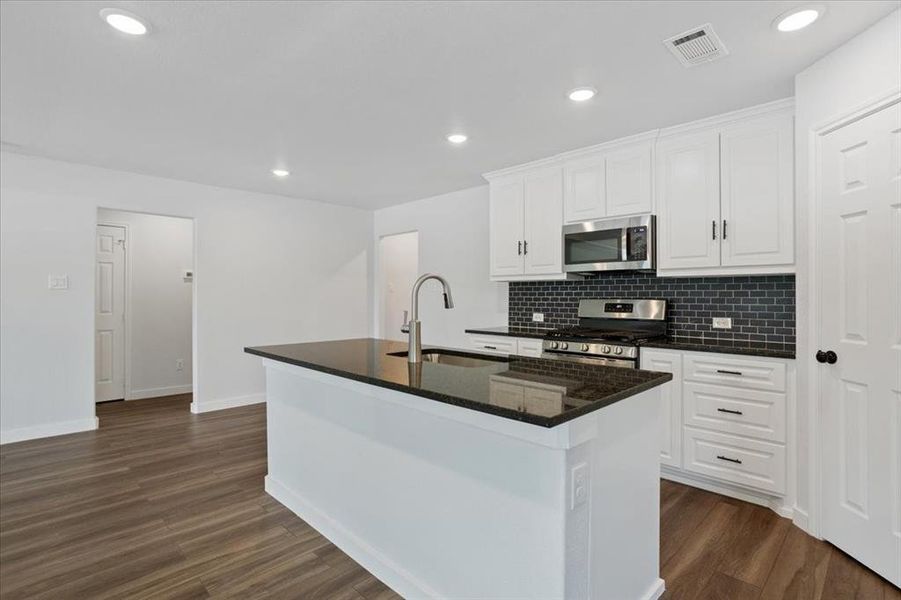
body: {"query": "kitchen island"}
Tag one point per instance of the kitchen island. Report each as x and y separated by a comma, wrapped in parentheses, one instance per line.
(470, 476)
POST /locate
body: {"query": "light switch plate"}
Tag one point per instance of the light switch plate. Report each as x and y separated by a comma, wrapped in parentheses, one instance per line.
(538, 317)
(57, 282)
(722, 323)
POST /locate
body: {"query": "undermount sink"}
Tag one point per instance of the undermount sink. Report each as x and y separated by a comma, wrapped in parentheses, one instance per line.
(455, 359)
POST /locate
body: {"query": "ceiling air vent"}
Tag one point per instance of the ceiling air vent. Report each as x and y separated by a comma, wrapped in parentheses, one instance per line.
(696, 46)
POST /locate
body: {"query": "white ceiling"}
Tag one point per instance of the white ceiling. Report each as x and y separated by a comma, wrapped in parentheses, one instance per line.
(355, 98)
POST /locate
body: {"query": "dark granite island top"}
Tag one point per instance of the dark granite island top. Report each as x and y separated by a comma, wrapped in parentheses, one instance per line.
(582, 388)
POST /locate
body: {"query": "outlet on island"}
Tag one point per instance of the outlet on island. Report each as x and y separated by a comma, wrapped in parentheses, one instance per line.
(179, 364)
(722, 323)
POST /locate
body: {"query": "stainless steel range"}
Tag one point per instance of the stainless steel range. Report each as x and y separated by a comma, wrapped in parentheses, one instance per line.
(609, 332)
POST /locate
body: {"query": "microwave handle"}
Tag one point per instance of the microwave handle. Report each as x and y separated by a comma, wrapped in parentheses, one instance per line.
(624, 245)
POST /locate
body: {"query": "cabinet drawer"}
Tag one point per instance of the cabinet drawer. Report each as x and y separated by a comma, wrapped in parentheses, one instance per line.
(738, 411)
(527, 347)
(738, 460)
(748, 373)
(497, 345)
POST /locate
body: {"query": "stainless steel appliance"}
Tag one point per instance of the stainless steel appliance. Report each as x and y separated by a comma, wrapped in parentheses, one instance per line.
(610, 245)
(609, 332)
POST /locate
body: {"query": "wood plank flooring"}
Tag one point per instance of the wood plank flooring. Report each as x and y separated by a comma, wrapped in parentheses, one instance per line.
(160, 503)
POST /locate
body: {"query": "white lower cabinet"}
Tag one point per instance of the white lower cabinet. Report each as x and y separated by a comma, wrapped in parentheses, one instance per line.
(500, 344)
(729, 414)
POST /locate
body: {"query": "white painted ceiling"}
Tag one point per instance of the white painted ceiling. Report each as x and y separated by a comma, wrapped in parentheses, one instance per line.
(355, 98)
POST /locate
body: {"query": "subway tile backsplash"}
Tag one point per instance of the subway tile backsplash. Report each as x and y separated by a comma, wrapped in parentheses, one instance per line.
(762, 308)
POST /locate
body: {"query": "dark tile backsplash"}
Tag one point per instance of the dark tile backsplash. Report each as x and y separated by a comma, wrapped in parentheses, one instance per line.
(762, 308)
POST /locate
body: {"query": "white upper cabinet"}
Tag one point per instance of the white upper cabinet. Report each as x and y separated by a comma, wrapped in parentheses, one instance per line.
(688, 201)
(526, 225)
(629, 181)
(725, 198)
(506, 229)
(585, 189)
(608, 183)
(543, 239)
(757, 195)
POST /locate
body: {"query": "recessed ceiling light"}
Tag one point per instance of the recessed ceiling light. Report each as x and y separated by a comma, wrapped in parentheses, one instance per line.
(457, 138)
(124, 21)
(280, 172)
(798, 18)
(582, 94)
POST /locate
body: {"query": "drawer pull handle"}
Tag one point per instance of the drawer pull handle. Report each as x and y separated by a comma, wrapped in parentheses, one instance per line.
(730, 411)
(725, 372)
(487, 347)
(732, 460)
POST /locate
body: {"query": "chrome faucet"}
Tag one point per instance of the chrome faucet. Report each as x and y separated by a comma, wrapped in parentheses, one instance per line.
(414, 349)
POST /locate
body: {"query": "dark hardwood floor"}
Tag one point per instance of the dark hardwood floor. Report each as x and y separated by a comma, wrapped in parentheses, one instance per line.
(160, 503)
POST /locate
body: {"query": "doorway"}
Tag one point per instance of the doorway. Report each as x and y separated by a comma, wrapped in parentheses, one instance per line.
(859, 334)
(143, 305)
(398, 270)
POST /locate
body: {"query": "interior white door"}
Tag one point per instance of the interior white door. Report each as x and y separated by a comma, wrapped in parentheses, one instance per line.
(629, 181)
(584, 195)
(859, 263)
(688, 201)
(505, 208)
(109, 314)
(543, 241)
(757, 166)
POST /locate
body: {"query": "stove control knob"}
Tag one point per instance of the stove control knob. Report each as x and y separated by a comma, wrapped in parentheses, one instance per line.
(564, 345)
(585, 347)
(618, 350)
(606, 349)
(554, 345)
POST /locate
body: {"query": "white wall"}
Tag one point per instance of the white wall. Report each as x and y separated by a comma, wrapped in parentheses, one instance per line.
(158, 309)
(453, 242)
(866, 68)
(269, 269)
(397, 272)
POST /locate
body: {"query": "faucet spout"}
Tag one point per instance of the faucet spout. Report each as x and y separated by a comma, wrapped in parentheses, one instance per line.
(414, 349)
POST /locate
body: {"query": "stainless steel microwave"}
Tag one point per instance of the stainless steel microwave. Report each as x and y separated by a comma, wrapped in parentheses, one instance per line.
(621, 244)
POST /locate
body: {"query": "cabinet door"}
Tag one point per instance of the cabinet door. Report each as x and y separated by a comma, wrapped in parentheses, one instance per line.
(584, 195)
(543, 241)
(629, 181)
(671, 403)
(688, 202)
(506, 226)
(757, 177)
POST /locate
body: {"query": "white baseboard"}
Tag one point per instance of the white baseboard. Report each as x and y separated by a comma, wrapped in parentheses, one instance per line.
(34, 432)
(774, 503)
(802, 520)
(160, 391)
(234, 402)
(371, 559)
(656, 590)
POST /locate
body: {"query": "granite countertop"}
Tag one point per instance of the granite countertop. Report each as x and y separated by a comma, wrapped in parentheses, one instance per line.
(540, 391)
(724, 347)
(523, 332)
(746, 348)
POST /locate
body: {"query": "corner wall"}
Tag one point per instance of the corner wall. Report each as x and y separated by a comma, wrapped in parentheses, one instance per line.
(268, 269)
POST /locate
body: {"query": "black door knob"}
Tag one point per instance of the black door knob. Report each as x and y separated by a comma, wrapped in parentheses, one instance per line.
(827, 357)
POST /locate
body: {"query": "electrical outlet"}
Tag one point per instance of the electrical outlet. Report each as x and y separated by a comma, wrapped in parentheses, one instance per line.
(179, 364)
(58, 282)
(538, 317)
(722, 323)
(579, 492)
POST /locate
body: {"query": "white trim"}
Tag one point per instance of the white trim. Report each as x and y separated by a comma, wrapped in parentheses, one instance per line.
(815, 135)
(750, 112)
(774, 503)
(369, 557)
(34, 432)
(224, 403)
(171, 390)
(656, 590)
